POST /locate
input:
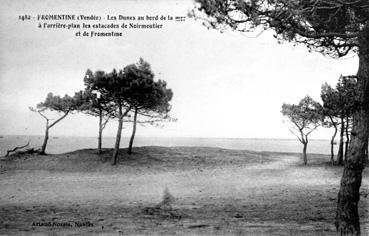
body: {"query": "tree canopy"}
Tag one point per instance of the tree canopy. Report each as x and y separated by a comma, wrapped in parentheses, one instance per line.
(64, 104)
(144, 92)
(328, 26)
(348, 100)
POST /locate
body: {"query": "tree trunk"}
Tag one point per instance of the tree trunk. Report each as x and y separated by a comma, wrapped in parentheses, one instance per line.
(332, 140)
(340, 149)
(304, 153)
(119, 134)
(46, 138)
(347, 216)
(99, 142)
(133, 132)
(366, 153)
(347, 136)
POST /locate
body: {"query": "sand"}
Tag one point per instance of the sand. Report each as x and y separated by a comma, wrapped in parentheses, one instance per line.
(215, 192)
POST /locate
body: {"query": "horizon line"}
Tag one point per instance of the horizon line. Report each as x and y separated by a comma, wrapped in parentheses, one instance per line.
(195, 137)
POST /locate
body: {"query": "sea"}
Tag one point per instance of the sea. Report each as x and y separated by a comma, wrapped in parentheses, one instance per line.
(63, 144)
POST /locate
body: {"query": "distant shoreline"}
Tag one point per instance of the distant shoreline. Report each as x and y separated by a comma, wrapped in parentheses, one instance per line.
(154, 137)
(64, 144)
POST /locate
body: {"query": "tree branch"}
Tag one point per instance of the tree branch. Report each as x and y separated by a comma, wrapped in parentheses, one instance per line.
(296, 135)
(16, 148)
(105, 122)
(62, 117)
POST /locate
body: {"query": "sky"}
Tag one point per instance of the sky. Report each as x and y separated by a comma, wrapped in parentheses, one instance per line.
(227, 84)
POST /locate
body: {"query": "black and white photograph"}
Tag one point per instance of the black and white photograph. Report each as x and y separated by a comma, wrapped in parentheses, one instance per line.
(184, 117)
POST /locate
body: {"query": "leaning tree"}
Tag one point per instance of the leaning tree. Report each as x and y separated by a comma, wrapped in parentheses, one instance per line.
(332, 27)
(149, 98)
(61, 105)
(305, 118)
